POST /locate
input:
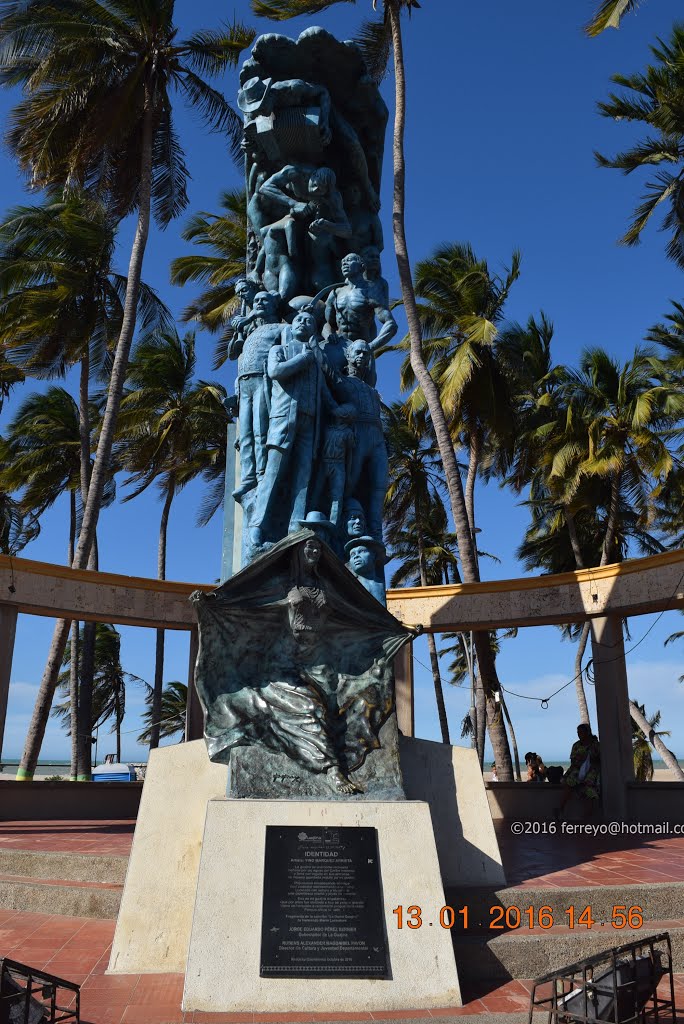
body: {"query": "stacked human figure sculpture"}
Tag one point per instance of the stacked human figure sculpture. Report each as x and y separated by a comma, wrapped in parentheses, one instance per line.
(314, 307)
(295, 667)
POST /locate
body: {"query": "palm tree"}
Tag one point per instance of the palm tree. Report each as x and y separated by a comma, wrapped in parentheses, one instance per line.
(41, 454)
(671, 336)
(223, 238)
(609, 15)
(171, 720)
(602, 460)
(643, 733)
(654, 99)
(109, 684)
(16, 529)
(461, 666)
(97, 78)
(42, 458)
(462, 303)
(165, 419)
(378, 39)
(415, 516)
(60, 304)
(10, 376)
(461, 308)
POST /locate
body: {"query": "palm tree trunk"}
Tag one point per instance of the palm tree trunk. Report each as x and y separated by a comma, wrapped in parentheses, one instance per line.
(123, 348)
(159, 654)
(514, 742)
(656, 742)
(430, 390)
(117, 720)
(85, 705)
(439, 692)
(475, 448)
(579, 684)
(73, 699)
(432, 647)
(423, 376)
(87, 658)
(611, 525)
(495, 721)
(574, 539)
(73, 659)
(84, 423)
(586, 628)
(41, 711)
(481, 706)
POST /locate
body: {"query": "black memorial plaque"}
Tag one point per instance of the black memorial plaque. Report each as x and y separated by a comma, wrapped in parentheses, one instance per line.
(322, 912)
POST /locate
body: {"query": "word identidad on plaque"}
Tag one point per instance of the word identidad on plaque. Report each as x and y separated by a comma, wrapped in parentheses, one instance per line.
(323, 912)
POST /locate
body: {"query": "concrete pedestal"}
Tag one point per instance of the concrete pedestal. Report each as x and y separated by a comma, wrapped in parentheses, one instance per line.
(222, 974)
(153, 926)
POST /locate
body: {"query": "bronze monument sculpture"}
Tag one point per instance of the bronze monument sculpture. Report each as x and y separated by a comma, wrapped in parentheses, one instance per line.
(295, 665)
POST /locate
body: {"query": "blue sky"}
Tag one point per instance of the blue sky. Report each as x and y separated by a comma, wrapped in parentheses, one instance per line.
(502, 126)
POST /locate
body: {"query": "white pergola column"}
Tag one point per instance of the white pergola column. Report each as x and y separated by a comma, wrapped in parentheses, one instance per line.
(8, 627)
(194, 719)
(612, 711)
(403, 688)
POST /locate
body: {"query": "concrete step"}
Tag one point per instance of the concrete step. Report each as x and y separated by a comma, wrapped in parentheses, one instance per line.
(77, 885)
(530, 953)
(658, 902)
(79, 867)
(59, 896)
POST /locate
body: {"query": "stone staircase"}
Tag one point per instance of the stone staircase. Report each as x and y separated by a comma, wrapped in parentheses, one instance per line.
(76, 885)
(514, 949)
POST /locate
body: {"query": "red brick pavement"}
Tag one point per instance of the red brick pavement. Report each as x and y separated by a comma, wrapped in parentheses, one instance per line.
(77, 949)
(101, 837)
(539, 860)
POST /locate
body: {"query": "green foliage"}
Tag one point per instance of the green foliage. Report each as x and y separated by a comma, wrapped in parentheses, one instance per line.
(223, 239)
(655, 99)
(609, 14)
(96, 76)
(10, 376)
(461, 308)
(109, 681)
(416, 524)
(40, 453)
(641, 749)
(60, 300)
(174, 701)
(41, 450)
(171, 427)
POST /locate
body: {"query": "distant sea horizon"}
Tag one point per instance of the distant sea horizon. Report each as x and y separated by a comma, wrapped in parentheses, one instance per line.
(51, 767)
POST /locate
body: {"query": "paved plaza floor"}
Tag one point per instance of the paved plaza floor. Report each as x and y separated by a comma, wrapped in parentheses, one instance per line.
(77, 948)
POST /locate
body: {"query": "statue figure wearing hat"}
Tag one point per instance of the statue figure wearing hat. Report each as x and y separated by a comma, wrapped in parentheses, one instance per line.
(265, 102)
(367, 559)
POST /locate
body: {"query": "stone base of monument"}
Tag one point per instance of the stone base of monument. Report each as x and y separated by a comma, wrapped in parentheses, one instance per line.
(154, 923)
(233, 966)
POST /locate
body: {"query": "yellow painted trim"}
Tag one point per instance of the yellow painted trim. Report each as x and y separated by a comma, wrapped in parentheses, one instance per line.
(564, 579)
(111, 579)
(626, 568)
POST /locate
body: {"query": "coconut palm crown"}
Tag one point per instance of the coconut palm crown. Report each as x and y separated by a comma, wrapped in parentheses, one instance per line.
(655, 99)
